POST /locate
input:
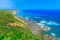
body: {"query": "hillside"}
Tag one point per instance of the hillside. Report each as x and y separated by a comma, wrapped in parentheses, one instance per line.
(14, 28)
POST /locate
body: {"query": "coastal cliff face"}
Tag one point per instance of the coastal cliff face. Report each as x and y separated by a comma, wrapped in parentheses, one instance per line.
(14, 28)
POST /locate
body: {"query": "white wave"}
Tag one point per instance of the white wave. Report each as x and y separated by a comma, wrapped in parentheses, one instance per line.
(53, 34)
(44, 27)
(55, 23)
(52, 23)
(58, 39)
(49, 23)
(26, 18)
(43, 21)
(47, 28)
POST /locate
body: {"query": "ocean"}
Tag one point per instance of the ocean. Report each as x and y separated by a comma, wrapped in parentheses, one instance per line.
(52, 18)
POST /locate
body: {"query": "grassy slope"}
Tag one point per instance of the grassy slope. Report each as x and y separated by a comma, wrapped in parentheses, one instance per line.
(12, 32)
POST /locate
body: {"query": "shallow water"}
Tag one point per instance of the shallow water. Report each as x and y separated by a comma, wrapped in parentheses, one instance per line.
(48, 16)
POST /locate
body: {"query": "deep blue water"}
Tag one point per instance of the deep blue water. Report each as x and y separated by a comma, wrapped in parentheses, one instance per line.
(48, 15)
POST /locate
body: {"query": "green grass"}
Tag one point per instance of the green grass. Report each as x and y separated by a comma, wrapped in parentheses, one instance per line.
(13, 32)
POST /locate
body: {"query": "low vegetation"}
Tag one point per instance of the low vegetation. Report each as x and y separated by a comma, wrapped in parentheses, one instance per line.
(13, 31)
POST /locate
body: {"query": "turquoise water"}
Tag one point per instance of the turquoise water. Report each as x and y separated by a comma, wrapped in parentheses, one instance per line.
(47, 15)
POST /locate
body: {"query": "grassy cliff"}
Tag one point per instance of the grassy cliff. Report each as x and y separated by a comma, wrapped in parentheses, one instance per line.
(14, 28)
